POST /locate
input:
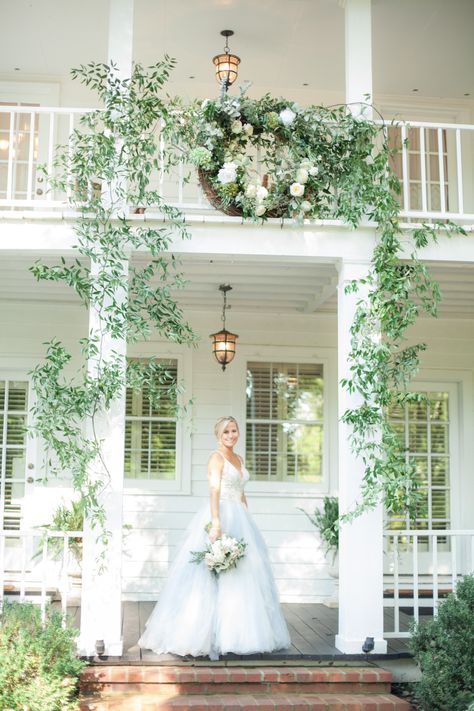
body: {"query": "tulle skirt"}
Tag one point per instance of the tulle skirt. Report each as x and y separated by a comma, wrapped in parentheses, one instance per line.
(200, 614)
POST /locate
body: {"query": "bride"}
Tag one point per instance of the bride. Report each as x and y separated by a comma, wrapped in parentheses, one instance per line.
(238, 611)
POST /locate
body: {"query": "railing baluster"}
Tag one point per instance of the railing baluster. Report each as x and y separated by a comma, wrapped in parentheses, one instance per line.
(424, 202)
(406, 193)
(434, 560)
(31, 147)
(64, 592)
(23, 569)
(69, 186)
(416, 608)
(11, 151)
(396, 596)
(44, 559)
(180, 182)
(459, 172)
(442, 194)
(454, 562)
(2, 568)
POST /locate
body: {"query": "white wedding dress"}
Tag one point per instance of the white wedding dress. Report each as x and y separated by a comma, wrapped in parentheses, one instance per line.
(238, 611)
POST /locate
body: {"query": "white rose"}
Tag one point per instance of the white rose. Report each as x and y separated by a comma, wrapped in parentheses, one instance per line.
(248, 129)
(314, 170)
(228, 173)
(262, 192)
(306, 163)
(302, 175)
(260, 210)
(236, 126)
(369, 160)
(296, 189)
(306, 206)
(287, 116)
(251, 190)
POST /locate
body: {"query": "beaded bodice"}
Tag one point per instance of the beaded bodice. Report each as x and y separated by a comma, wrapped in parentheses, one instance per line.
(233, 481)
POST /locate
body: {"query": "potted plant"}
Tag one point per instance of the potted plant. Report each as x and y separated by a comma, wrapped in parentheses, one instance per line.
(326, 521)
(66, 518)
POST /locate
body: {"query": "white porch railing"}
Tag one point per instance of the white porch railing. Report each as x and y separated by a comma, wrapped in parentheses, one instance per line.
(421, 567)
(30, 570)
(436, 167)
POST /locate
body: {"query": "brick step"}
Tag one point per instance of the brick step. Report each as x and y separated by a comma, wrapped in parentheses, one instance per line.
(173, 681)
(248, 702)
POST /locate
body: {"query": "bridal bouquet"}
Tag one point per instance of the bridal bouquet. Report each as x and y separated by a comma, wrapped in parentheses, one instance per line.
(221, 555)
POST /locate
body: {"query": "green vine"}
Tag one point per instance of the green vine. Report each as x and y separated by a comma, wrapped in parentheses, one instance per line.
(318, 163)
(107, 166)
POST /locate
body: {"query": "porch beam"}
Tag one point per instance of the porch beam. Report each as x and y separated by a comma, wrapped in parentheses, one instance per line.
(361, 541)
(358, 55)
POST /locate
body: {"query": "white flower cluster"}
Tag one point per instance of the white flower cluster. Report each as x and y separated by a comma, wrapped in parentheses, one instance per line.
(221, 555)
(297, 188)
(259, 192)
(228, 173)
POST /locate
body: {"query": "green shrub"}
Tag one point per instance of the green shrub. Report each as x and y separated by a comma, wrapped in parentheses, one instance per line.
(444, 649)
(38, 664)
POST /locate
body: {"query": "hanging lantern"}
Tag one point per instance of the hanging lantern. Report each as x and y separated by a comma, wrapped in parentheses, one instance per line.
(226, 64)
(224, 342)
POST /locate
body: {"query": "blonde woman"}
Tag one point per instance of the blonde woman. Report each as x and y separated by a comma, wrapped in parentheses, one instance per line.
(238, 611)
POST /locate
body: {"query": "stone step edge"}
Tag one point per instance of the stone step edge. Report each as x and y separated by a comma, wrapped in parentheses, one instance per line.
(313, 702)
(229, 675)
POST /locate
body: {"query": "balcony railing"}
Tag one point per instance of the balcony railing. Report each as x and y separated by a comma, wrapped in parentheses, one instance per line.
(39, 565)
(421, 568)
(435, 165)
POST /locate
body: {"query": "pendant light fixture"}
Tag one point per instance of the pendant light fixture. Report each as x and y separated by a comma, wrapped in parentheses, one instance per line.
(226, 64)
(224, 342)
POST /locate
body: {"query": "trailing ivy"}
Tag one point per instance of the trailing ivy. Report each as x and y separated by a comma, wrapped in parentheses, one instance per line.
(105, 167)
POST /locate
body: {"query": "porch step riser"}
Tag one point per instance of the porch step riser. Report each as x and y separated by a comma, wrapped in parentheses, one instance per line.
(170, 690)
(306, 702)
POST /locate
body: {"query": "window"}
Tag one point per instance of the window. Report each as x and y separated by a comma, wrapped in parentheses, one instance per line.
(423, 429)
(13, 420)
(435, 152)
(151, 433)
(284, 421)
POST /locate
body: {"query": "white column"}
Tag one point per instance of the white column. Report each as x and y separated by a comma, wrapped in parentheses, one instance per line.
(360, 542)
(358, 47)
(120, 47)
(101, 602)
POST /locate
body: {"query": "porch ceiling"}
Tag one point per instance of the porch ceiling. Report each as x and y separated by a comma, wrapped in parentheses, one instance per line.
(295, 48)
(270, 286)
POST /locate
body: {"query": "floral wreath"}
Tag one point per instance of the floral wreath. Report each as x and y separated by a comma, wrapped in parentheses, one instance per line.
(272, 158)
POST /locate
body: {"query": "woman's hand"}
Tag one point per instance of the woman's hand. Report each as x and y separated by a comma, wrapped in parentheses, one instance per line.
(214, 532)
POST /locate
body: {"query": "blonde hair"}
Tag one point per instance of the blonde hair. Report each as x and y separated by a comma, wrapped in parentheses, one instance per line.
(222, 423)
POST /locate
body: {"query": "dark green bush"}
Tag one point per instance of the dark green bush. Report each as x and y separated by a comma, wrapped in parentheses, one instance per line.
(38, 664)
(444, 649)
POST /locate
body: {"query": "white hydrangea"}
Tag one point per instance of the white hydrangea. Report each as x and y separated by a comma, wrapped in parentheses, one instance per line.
(260, 210)
(296, 189)
(287, 116)
(262, 192)
(302, 175)
(228, 173)
(251, 190)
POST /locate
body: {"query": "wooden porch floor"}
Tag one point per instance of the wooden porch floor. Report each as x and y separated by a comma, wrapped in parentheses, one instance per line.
(312, 629)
